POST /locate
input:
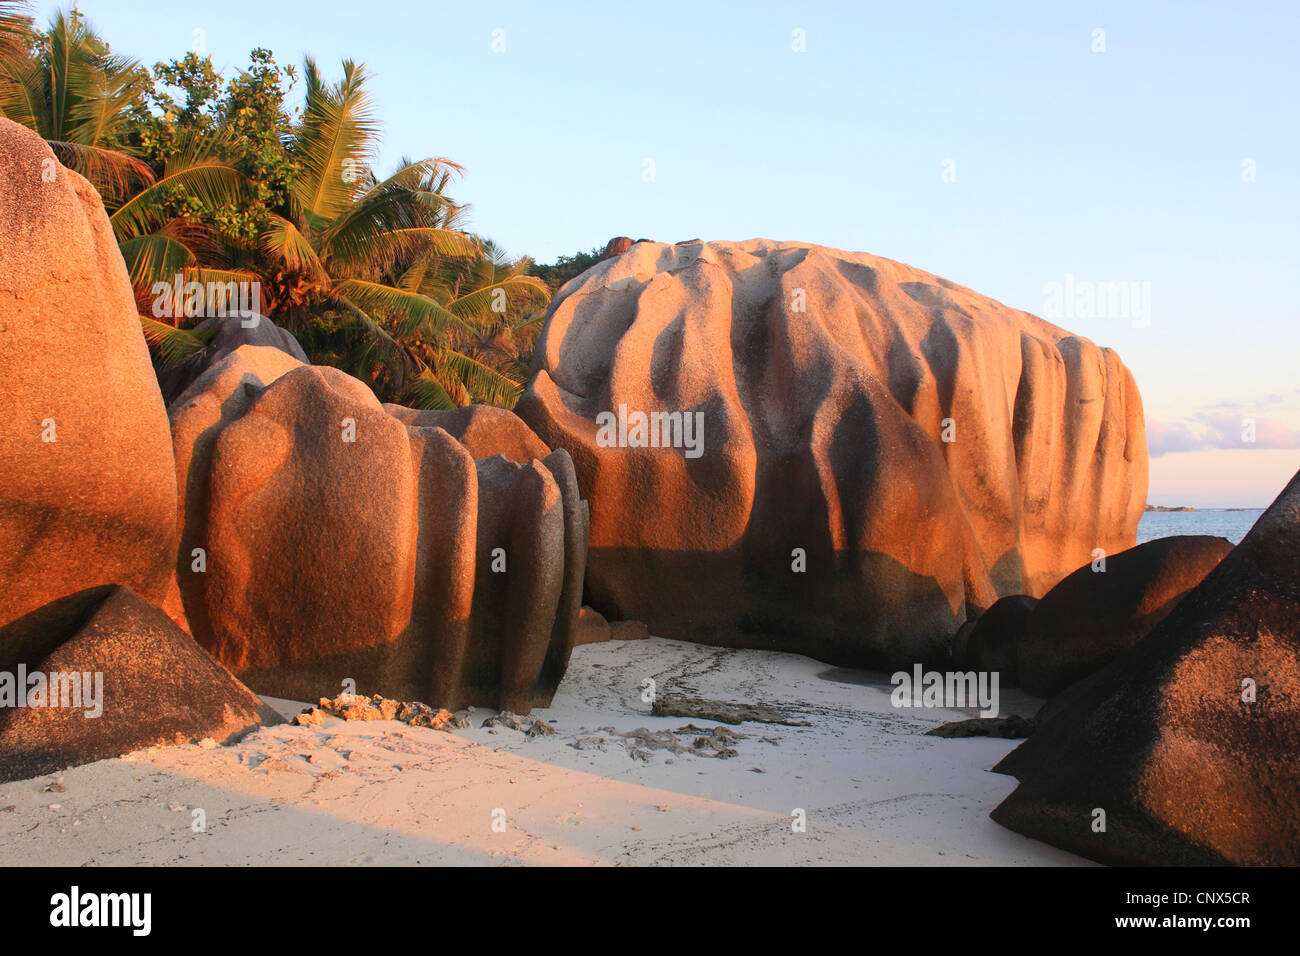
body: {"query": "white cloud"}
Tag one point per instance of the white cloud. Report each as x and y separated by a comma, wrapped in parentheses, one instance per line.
(1227, 426)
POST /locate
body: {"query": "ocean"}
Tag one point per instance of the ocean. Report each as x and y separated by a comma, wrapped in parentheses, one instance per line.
(1220, 522)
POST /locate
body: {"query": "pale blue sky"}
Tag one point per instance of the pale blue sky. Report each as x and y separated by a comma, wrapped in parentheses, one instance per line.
(1119, 166)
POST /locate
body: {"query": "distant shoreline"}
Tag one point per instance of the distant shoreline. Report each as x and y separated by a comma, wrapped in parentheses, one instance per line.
(1168, 508)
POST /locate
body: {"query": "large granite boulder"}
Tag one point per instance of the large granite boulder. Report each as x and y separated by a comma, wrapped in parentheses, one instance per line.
(325, 539)
(883, 453)
(128, 678)
(1095, 615)
(228, 334)
(1187, 742)
(87, 482)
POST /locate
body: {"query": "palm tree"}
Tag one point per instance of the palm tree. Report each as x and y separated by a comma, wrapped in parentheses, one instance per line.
(67, 85)
(430, 314)
(373, 250)
(385, 265)
(15, 28)
(484, 357)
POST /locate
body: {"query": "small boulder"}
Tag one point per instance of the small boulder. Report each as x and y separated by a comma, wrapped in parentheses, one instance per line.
(616, 247)
(484, 430)
(1011, 726)
(1092, 617)
(592, 627)
(229, 334)
(127, 679)
(343, 539)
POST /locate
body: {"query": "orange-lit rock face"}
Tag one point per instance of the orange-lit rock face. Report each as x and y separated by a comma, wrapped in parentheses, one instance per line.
(925, 448)
(484, 430)
(341, 543)
(87, 483)
(1189, 740)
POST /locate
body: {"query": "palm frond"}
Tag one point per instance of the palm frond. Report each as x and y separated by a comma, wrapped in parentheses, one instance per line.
(108, 87)
(22, 84)
(485, 384)
(412, 196)
(114, 174)
(154, 258)
(15, 27)
(371, 246)
(214, 183)
(414, 315)
(533, 323)
(427, 175)
(201, 273)
(282, 239)
(66, 44)
(338, 128)
(173, 345)
(414, 276)
(521, 292)
(426, 392)
(377, 345)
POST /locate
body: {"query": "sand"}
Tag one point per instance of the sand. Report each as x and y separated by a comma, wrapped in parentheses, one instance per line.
(873, 789)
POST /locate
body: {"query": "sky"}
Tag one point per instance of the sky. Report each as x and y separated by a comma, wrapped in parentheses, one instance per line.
(1049, 155)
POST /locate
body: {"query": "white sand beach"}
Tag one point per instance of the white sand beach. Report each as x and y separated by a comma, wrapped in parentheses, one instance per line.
(874, 789)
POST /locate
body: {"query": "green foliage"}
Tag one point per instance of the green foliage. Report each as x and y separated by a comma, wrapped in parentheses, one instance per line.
(565, 268)
(214, 178)
(241, 125)
(66, 84)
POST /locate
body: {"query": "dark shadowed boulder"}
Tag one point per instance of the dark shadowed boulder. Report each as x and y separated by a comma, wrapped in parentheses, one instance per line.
(874, 451)
(1093, 616)
(1188, 742)
(1012, 726)
(87, 483)
(228, 334)
(148, 683)
(997, 633)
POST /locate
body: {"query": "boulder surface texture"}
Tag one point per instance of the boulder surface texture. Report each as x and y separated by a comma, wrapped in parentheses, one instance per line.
(883, 452)
(87, 483)
(1094, 615)
(129, 678)
(326, 538)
